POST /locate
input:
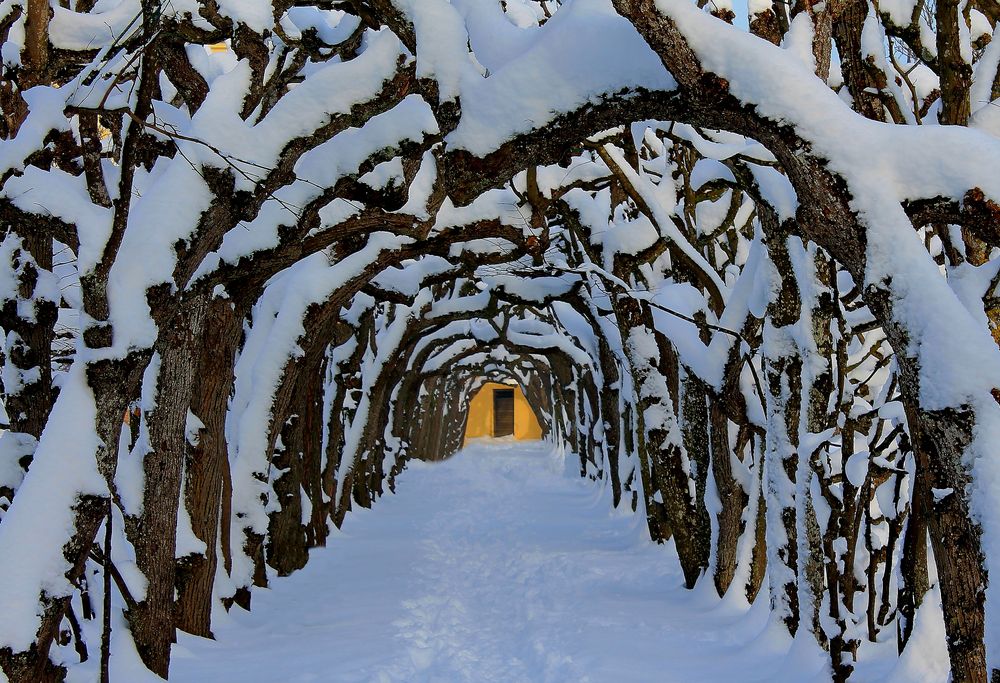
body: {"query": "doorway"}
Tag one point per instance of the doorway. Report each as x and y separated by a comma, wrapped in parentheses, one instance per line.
(503, 412)
(486, 412)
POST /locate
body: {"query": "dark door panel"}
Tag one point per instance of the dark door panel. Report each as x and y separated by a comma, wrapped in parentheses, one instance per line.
(503, 412)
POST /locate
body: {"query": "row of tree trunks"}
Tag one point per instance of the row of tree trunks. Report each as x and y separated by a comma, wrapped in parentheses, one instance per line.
(826, 217)
(679, 427)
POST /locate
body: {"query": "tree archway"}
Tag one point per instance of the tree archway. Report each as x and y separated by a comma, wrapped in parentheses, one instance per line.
(743, 275)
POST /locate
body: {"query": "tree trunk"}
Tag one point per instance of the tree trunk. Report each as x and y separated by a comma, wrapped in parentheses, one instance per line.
(154, 532)
(286, 549)
(207, 466)
(732, 501)
(783, 387)
(26, 350)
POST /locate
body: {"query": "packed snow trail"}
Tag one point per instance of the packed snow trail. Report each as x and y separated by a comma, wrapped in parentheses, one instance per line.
(497, 566)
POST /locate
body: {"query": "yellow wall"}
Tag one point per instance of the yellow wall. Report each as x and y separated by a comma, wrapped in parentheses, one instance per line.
(480, 422)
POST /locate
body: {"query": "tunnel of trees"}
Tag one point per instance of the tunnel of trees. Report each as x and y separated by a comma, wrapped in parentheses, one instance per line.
(744, 269)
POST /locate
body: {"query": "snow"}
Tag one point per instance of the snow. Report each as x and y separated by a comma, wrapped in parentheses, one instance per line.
(882, 166)
(756, 7)
(258, 15)
(273, 341)
(13, 447)
(533, 288)
(501, 565)
(157, 221)
(330, 32)
(982, 84)
(495, 566)
(926, 655)
(71, 30)
(660, 216)
(583, 54)
(798, 40)
(187, 542)
(899, 11)
(442, 44)
(941, 494)
(64, 197)
(40, 521)
(45, 114)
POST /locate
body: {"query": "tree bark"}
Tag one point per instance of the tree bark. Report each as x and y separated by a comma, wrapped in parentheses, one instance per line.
(154, 532)
(207, 466)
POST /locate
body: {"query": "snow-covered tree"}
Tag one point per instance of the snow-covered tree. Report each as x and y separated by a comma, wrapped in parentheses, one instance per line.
(258, 255)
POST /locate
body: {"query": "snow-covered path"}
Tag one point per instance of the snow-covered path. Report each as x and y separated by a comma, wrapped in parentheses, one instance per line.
(495, 566)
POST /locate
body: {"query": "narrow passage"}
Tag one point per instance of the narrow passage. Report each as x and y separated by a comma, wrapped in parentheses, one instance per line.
(496, 566)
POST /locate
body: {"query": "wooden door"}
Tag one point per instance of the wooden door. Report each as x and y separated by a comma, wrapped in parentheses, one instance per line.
(503, 412)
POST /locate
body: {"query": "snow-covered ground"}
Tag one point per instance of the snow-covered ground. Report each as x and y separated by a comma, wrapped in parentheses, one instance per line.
(497, 566)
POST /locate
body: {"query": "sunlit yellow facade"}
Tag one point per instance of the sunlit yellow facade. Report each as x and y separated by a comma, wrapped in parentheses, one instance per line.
(526, 426)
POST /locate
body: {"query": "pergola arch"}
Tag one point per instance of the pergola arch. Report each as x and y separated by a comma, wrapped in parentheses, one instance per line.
(314, 286)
